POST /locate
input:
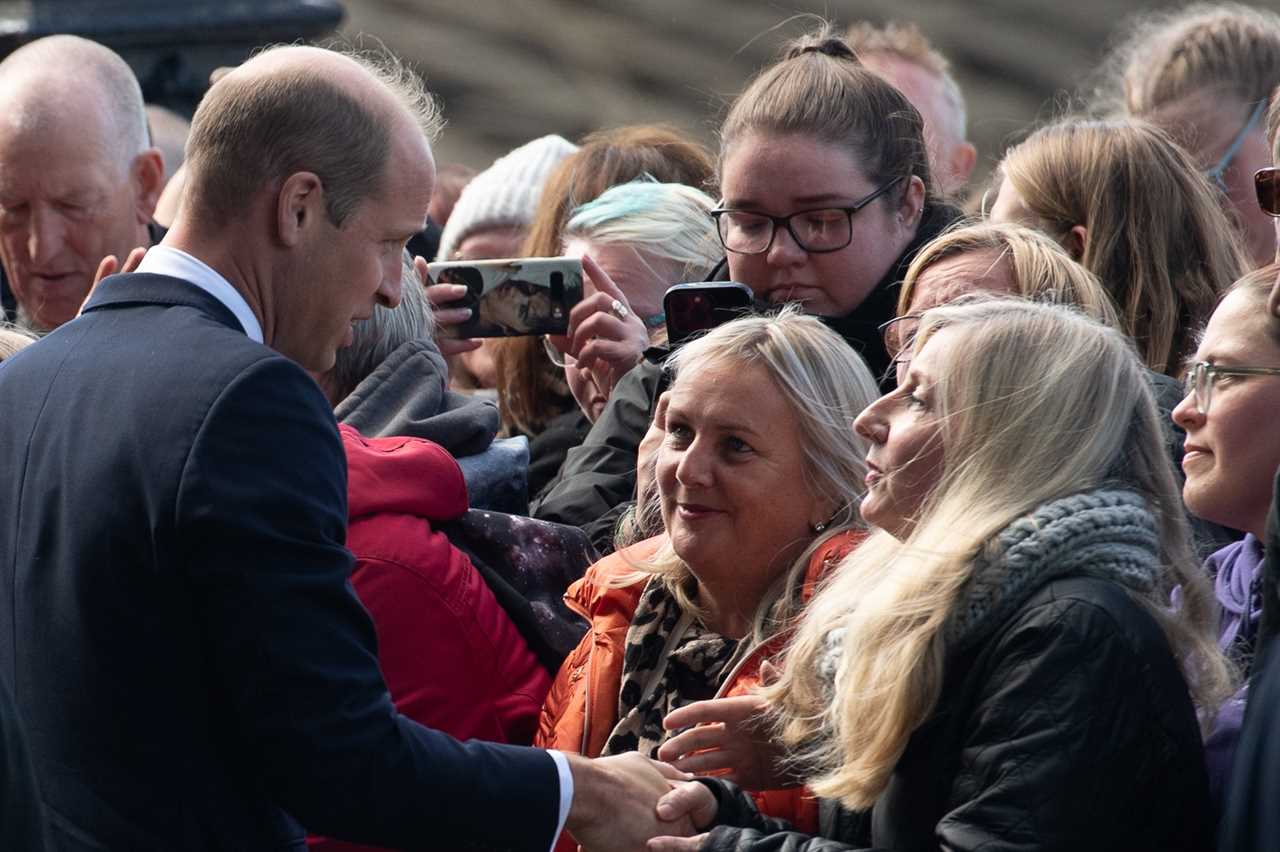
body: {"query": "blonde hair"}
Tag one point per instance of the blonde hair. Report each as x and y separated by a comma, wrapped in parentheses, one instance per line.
(1018, 371)
(1157, 238)
(13, 340)
(1042, 270)
(827, 385)
(1221, 49)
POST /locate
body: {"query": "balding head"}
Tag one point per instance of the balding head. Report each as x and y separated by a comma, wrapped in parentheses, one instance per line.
(60, 78)
(292, 109)
(77, 178)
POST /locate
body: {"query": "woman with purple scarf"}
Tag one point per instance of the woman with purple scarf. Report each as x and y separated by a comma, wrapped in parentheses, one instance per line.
(1232, 455)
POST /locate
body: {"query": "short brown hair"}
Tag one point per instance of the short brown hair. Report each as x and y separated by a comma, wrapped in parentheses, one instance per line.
(247, 134)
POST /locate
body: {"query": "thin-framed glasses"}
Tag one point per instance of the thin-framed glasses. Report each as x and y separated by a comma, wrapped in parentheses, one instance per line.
(816, 231)
(1266, 183)
(899, 335)
(1216, 174)
(1202, 376)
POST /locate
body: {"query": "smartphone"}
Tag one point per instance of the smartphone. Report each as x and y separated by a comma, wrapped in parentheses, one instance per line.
(694, 308)
(515, 297)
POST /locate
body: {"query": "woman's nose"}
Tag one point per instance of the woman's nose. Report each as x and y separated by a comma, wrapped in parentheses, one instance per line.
(871, 424)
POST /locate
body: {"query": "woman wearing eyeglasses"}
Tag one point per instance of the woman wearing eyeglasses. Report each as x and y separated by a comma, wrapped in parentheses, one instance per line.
(997, 666)
(1205, 75)
(1131, 207)
(826, 196)
(1232, 456)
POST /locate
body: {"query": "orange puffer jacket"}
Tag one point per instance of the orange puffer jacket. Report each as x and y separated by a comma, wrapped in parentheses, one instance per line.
(581, 709)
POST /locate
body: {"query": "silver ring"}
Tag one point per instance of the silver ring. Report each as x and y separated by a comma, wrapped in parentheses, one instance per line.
(620, 310)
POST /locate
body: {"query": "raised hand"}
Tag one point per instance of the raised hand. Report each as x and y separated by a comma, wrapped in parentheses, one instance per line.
(109, 266)
(605, 335)
(728, 740)
(443, 294)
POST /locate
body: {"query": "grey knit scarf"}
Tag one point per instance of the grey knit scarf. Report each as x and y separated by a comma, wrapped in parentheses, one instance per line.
(1107, 533)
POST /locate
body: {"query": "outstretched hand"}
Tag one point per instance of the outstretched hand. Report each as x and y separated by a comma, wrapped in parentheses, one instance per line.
(729, 739)
(615, 802)
(605, 335)
(690, 800)
(443, 294)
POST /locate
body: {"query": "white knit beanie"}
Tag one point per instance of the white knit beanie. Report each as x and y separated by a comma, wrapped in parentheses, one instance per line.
(506, 193)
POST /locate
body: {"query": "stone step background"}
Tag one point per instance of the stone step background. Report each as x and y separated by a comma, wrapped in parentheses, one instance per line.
(510, 70)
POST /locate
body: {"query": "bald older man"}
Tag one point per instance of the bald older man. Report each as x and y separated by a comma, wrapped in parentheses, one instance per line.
(180, 635)
(78, 177)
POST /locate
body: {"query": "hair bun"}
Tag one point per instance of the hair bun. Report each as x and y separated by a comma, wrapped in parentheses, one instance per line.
(827, 45)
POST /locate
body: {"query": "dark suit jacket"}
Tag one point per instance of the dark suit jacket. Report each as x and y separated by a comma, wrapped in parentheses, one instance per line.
(179, 633)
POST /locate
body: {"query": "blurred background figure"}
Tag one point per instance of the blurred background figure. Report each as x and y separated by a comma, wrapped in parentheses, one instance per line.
(1206, 73)
(451, 179)
(902, 54)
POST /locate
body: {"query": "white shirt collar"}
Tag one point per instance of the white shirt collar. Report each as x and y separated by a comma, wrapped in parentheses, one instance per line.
(176, 263)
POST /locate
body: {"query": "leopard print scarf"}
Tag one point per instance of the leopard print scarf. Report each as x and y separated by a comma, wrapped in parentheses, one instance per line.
(671, 660)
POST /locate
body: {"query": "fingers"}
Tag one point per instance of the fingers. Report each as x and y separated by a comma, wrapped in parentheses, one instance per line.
(135, 258)
(688, 799)
(107, 266)
(734, 710)
(769, 673)
(702, 736)
(718, 762)
(449, 346)
(666, 770)
(444, 294)
(676, 844)
(452, 316)
(601, 280)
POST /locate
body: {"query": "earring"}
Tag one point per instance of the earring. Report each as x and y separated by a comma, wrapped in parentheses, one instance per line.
(818, 529)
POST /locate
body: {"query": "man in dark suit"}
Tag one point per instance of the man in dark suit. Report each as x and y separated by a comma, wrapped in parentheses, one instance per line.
(180, 636)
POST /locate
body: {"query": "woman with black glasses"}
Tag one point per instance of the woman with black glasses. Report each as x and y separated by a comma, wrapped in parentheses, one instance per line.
(826, 197)
(1232, 456)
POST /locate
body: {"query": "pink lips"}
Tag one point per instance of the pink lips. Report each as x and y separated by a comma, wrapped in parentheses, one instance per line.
(1191, 452)
(695, 511)
(874, 474)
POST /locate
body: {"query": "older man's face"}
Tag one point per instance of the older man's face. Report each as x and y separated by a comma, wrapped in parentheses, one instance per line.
(67, 199)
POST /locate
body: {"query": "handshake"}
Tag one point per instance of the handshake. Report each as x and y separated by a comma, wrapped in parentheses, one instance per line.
(631, 803)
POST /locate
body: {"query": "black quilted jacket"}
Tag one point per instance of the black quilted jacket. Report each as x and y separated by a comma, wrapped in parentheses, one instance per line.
(1070, 728)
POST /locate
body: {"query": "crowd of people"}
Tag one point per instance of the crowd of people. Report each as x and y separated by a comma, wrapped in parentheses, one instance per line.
(965, 535)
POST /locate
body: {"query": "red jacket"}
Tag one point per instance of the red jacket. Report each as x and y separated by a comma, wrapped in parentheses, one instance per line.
(582, 707)
(451, 657)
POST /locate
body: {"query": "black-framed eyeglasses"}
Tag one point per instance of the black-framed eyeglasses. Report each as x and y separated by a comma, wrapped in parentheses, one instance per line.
(816, 231)
(1215, 174)
(1202, 376)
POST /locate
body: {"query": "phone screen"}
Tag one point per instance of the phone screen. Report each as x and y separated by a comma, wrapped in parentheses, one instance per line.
(513, 297)
(695, 308)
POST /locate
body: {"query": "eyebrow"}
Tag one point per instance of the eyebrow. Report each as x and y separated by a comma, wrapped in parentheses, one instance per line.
(828, 199)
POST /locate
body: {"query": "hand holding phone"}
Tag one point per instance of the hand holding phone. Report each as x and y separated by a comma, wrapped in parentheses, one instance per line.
(512, 297)
(439, 296)
(695, 308)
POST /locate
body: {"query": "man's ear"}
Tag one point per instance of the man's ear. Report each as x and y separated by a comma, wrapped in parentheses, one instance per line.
(912, 203)
(1077, 242)
(963, 158)
(147, 172)
(299, 207)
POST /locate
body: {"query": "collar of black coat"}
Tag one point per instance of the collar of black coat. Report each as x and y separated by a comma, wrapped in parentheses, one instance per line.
(144, 288)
